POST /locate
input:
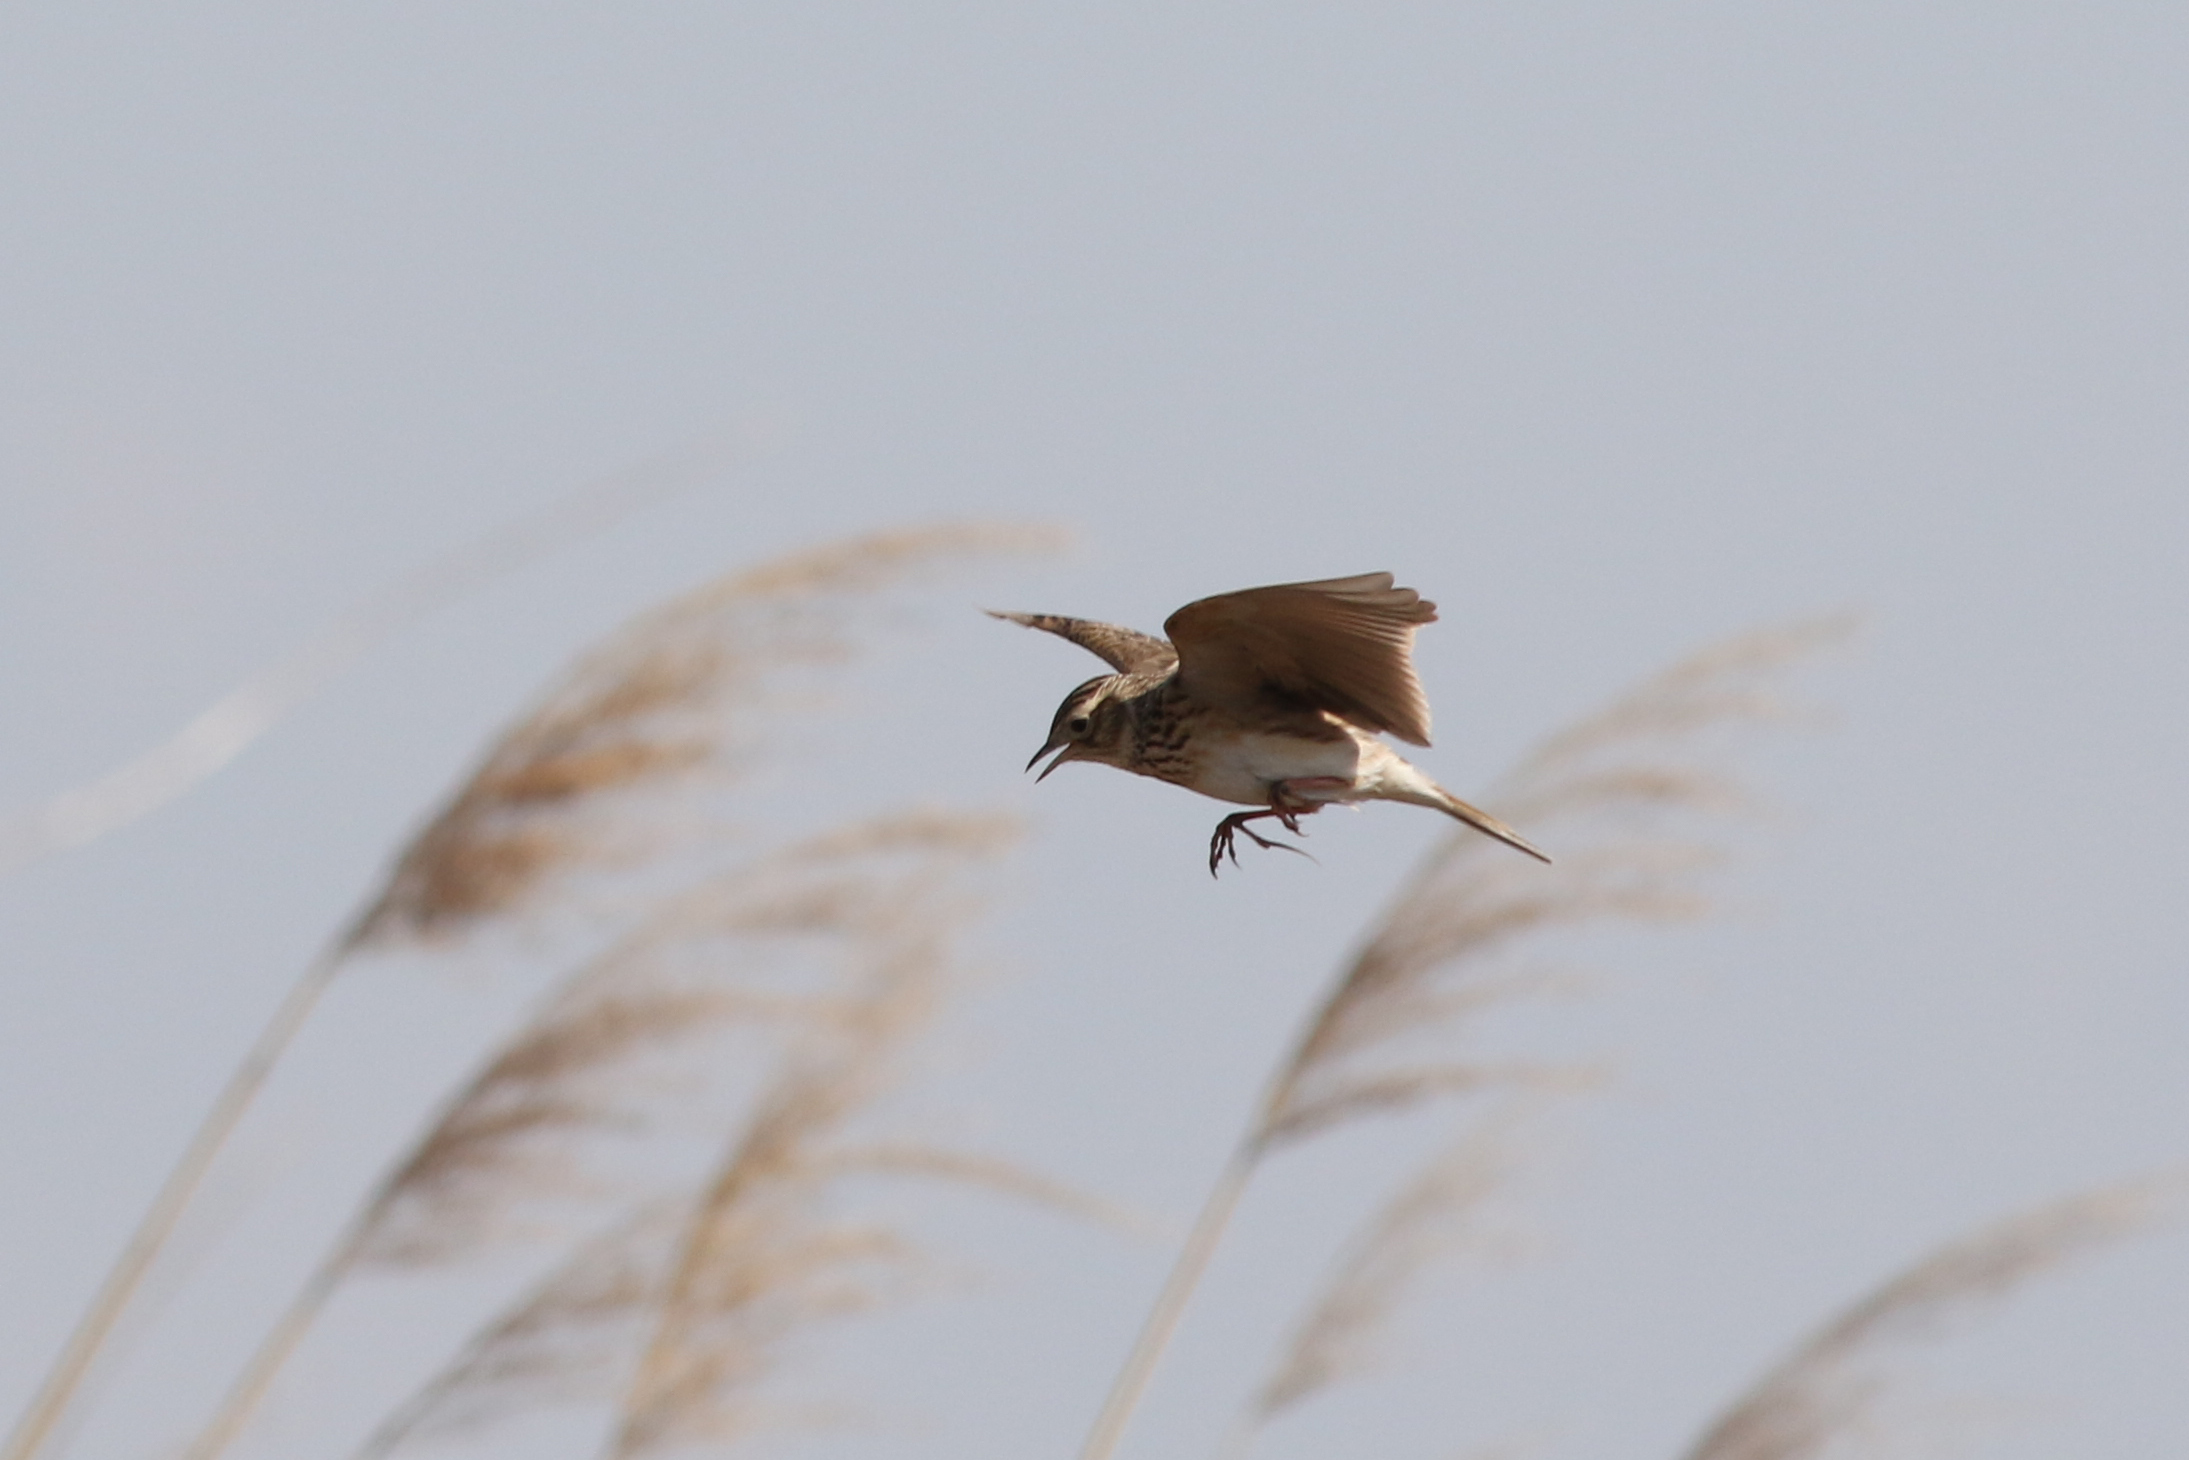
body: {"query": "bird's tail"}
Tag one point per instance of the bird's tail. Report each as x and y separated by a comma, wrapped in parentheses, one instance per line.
(1387, 777)
(1484, 822)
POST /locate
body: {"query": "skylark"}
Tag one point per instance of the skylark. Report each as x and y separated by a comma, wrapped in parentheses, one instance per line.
(1268, 697)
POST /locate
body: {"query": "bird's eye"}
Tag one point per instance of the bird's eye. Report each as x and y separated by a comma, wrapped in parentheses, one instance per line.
(1078, 725)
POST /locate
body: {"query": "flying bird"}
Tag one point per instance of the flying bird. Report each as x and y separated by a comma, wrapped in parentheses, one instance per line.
(1268, 697)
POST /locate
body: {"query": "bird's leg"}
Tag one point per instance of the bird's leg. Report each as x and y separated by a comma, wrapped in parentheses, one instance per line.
(1288, 806)
(1283, 805)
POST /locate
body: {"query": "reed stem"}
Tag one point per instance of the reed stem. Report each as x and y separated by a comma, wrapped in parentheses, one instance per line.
(1170, 1304)
(243, 1396)
(158, 1224)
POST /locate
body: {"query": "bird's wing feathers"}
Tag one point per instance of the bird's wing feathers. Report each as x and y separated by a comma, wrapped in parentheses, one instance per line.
(1127, 651)
(1342, 644)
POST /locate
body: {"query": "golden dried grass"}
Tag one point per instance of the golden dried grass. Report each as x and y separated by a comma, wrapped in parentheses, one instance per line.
(1828, 1389)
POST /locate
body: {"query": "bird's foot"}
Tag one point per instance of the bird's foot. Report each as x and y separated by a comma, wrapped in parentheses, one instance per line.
(1224, 844)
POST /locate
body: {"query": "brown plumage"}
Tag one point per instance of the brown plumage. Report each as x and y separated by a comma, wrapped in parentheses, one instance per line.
(1268, 697)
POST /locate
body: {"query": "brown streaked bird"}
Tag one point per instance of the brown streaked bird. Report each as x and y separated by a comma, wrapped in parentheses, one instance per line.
(1268, 697)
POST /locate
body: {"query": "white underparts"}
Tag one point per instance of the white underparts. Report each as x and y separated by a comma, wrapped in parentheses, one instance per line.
(1242, 768)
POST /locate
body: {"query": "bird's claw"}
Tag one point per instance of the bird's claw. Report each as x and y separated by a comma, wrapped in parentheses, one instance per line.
(1282, 806)
(1224, 843)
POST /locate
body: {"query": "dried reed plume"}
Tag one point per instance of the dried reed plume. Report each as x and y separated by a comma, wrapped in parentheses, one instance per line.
(677, 688)
(643, 707)
(1339, 1337)
(1612, 793)
(677, 1320)
(1829, 1386)
(757, 1258)
(1619, 792)
(1342, 1327)
(706, 958)
(509, 1137)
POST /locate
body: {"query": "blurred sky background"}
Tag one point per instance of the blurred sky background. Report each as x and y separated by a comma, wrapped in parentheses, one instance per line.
(1614, 329)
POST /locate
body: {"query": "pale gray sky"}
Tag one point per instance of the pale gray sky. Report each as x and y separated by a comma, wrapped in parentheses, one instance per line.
(1613, 329)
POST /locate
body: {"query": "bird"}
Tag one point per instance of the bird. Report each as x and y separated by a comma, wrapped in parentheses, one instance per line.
(1268, 697)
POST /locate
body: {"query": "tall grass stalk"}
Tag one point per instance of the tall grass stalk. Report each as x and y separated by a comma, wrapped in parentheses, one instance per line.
(50, 1403)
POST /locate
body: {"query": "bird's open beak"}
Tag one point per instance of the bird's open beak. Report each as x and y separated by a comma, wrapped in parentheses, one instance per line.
(1063, 748)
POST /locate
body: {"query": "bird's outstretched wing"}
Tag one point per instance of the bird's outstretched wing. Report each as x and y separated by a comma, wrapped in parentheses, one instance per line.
(1343, 644)
(1128, 651)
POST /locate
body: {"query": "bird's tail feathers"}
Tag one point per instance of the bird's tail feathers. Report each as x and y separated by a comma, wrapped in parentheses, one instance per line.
(1487, 824)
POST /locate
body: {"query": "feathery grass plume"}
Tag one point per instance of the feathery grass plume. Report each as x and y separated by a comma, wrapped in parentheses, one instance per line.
(759, 1257)
(643, 707)
(1338, 1338)
(678, 1321)
(1829, 1386)
(722, 953)
(712, 956)
(565, 1342)
(657, 699)
(1620, 793)
(1615, 793)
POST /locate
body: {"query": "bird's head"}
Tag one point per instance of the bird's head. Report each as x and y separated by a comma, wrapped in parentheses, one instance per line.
(1091, 724)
